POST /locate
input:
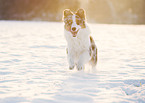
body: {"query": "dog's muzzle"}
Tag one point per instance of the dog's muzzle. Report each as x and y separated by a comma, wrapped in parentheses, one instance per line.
(74, 31)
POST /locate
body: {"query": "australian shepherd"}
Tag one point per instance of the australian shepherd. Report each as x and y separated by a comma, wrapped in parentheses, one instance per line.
(81, 48)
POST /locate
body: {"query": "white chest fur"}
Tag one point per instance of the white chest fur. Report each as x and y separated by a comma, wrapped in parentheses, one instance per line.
(79, 44)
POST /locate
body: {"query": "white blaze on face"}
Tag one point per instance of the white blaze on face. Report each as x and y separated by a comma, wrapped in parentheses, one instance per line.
(74, 24)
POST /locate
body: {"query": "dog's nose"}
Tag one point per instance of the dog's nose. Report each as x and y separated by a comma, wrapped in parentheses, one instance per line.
(74, 28)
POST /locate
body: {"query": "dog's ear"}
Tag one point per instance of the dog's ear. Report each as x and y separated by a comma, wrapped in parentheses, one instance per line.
(81, 13)
(67, 12)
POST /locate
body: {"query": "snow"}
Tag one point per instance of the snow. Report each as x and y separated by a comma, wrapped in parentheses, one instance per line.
(34, 68)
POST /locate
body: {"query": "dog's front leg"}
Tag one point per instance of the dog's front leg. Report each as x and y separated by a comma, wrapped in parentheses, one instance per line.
(84, 58)
(70, 61)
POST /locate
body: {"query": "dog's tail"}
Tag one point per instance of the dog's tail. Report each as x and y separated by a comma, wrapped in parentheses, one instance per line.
(93, 52)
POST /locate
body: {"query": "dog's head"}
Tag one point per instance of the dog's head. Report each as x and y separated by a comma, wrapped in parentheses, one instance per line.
(74, 21)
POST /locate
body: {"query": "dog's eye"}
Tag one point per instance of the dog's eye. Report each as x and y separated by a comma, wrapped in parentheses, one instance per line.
(68, 22)
(78, 22)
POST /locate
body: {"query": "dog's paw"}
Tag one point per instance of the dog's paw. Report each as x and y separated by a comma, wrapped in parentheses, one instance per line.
(79, 67)
(71, 67)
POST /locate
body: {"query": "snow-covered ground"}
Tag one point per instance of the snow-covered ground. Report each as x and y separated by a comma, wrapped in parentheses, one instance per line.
(34, 69)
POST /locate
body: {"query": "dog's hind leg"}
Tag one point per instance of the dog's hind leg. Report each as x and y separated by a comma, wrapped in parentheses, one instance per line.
(93, 53)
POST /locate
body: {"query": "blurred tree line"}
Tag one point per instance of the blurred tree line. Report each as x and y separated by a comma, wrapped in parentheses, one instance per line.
(117, 11)
(50, 10)
(101, 11)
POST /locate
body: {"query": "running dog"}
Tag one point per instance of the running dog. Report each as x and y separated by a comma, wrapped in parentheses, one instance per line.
(81, 48)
